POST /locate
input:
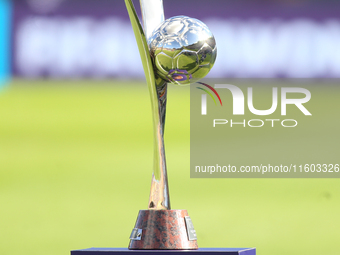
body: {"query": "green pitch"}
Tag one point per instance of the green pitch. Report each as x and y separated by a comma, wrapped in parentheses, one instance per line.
(76, 165)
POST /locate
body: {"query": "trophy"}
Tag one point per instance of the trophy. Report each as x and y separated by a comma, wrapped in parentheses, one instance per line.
(179, 50)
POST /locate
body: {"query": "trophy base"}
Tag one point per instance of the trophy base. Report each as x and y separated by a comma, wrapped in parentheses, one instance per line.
(163, 230)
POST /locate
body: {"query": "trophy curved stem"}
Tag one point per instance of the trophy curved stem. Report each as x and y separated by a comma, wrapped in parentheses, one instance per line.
(159, 193)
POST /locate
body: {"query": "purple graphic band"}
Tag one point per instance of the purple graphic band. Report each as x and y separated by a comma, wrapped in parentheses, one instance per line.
(180, 75)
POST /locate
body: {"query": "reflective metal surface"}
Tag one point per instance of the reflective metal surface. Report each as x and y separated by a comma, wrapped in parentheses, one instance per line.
(153, 15)
(136, 234)
(159, 193)
(190, 229)
(183, 50)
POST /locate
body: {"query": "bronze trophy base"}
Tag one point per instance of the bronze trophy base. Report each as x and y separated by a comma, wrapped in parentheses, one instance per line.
(163, 229)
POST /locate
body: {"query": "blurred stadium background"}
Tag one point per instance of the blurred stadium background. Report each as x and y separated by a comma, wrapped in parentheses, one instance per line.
(75, 130)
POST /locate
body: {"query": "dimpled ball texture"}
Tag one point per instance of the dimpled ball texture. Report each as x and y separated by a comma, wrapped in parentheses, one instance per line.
(183, 50)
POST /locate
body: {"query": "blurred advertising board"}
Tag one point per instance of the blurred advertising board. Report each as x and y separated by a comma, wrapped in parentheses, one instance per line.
(255, 39)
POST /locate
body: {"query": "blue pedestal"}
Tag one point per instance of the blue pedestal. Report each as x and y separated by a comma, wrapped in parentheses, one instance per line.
(201, 251)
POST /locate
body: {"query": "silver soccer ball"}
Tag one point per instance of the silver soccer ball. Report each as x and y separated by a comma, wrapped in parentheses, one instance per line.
(183, 50)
